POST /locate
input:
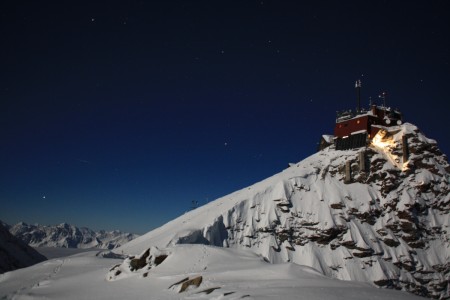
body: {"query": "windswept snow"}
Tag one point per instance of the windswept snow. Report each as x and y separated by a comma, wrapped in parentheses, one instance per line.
(226, 274)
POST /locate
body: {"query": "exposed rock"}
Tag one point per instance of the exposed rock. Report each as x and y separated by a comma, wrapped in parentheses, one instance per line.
(384, 282)
(191, 282)
(337, 205)
(149, 259)
(210, 290)
(139, 263)
(391, 242)
(159, 259)
(179, 282)
(365, 253)
(185, 283)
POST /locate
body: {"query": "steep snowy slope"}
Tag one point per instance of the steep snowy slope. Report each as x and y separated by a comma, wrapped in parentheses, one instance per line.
(14, 253)
(69, 236)
(386, 221)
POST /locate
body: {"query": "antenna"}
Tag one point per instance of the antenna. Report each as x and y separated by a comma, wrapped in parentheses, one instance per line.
(383, 96)
(358, 95)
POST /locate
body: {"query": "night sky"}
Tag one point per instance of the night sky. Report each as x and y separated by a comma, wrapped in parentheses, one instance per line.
(119, 114)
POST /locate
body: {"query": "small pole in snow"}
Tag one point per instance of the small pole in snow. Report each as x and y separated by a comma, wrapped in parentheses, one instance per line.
(362, 161)
(348, 172)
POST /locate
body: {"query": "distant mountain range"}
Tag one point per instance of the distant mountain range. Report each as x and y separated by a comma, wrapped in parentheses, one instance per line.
(14, 253)
(68, 236)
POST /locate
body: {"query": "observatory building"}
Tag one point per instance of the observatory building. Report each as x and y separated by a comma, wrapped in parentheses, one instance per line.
(355, 129)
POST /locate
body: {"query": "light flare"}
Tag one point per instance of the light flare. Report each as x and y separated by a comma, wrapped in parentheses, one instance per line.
(380, 142)
(386, 144)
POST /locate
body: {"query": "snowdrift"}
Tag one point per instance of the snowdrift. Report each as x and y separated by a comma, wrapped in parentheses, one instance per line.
(187, 272)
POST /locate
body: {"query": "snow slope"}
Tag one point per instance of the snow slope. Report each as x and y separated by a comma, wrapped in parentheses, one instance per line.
(225, 274)
(69, 236)
(388, 225)
(14, 253)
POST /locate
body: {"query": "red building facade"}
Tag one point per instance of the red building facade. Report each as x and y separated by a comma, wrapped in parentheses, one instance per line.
(355, 130)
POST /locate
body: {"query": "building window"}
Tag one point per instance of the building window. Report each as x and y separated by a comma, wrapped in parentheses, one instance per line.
(359, 121)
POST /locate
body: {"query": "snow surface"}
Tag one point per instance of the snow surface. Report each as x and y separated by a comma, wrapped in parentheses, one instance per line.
(227, 274)
(57, 252)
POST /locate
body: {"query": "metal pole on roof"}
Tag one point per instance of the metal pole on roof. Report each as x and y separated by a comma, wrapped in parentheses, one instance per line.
(383, 96)
(358, 95)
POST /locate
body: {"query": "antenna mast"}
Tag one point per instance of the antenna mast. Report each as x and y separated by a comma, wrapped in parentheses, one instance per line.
(358, 95)
(383, 96)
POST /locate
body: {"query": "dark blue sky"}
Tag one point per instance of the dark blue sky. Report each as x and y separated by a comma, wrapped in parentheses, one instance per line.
(121, 113)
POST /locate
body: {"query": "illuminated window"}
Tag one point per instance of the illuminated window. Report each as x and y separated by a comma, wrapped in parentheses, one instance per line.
(359, 121)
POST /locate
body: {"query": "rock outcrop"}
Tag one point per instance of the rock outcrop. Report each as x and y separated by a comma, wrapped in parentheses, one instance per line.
(138, 265)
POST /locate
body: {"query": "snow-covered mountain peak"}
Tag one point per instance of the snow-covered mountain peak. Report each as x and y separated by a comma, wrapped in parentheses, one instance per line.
(374, 214)
(68, 236)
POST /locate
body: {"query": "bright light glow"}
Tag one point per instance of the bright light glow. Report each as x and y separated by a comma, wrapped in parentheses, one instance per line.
(385, 143)
(380, 141)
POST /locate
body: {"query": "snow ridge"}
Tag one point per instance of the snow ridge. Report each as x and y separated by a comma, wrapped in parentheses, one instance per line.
(386, 225)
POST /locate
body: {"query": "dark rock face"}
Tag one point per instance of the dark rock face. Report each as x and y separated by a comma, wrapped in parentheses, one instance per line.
(15, 254)
(140, 262)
